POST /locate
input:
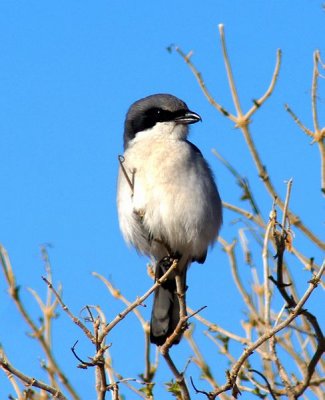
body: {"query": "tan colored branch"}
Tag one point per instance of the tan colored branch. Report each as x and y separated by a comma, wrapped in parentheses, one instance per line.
(37, 333)
(199, 78)
(266, 271)
(147, 376)
(243, 212)
(229, 249)
(70, 314)
(318, 134)
(179, 377)
(314, 85)
(267, 94)
(242, 121)
(231, 81)
(281, 370)
(216, 328)
(11, 377)
(267, 335)
(6, 366)
(118, 295)
(307, 131)
(136, 303)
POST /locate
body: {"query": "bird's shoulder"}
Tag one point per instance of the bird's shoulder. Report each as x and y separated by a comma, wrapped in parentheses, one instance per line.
(194, 148)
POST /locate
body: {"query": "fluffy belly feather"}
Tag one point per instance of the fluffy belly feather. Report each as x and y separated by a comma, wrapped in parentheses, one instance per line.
(178, 211)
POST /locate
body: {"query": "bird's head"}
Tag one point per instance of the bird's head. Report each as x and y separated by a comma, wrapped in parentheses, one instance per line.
(160, 115)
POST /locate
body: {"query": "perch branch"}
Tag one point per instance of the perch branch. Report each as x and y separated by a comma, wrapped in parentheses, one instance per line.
(136, 303)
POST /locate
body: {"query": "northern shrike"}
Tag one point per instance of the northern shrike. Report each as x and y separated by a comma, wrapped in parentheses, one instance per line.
(168, 202)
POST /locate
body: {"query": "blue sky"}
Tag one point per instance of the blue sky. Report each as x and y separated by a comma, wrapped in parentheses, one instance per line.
(68, 72)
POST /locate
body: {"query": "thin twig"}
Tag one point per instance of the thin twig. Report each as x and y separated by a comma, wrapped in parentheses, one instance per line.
(267, 335)
(200, 362)
(242, 183)
(179, 377)
(267, 293)
(291, 302)
(48, 309)
(203, 87)
(267, 94)
(12, 378)
(307, 131)
(223, 350)
(130, 182)
(179, 330)
(216, 328)
(5, 365)
(13, 290)
(231, 81)
(286, 202)
(243, 212)
(136, 303)
(281, 371)
(266, 381)
(126, 382)
(314, 91)
(118, 295)
(70, 314)
(318, 134)
(229, 249)
(243, 122)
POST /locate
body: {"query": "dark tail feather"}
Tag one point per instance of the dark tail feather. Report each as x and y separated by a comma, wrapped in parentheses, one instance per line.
(165, 311)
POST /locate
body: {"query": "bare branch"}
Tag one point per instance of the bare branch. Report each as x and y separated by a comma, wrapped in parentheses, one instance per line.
(267, 335)
(307, 131)
(71, 316)
(240, 117)
(37, 333)
(179, 377)
(204, 89)
(6, 366)
(229, 249)
(118, 295)
(314, 91)
(267, 94)
(267, 293)
(216, 328)
(136, 303)
(266, 381)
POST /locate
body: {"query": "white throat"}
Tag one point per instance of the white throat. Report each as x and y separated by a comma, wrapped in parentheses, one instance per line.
(163, 131)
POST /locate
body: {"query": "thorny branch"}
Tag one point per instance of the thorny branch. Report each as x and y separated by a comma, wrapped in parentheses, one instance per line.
(37, 333)
(28, 381)
(137, 302)
(102, 331)
(233, 374)
(317, 134)
(179, 330)
(242, 121)
(281, 240)
(66, 309)
(149, 368)
(263, 322)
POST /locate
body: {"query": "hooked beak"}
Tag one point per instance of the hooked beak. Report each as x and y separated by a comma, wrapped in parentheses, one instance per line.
(188, 117)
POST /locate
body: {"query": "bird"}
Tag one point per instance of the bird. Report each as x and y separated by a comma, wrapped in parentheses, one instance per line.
(169, 207)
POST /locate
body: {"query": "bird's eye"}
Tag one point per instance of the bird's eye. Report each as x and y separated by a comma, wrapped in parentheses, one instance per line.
(156, 114)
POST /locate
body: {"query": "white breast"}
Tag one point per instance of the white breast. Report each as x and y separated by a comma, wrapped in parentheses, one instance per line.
(175, 193)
